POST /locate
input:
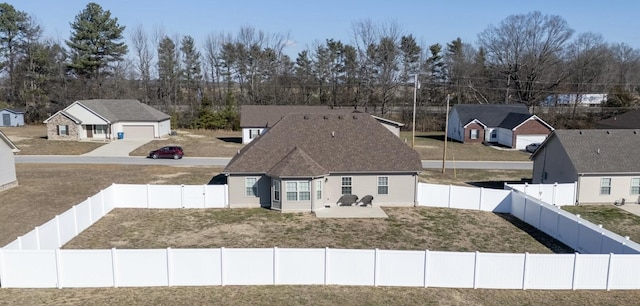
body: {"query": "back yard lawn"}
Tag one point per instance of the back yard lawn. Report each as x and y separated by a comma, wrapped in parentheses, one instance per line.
(611, 217)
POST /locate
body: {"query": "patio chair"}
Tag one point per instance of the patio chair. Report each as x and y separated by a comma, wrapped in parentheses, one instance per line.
(347, 200)
(366, 201)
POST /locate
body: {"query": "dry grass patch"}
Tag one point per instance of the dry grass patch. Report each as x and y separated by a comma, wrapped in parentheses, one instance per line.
(198, 143)
(611, 217)
(48, 190)
(405, 229)
(430, 146)
(475, 177)
(32, 140)
(311, 295)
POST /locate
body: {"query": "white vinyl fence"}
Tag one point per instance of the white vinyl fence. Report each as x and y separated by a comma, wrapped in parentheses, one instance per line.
(554, 194)
(35, 260)
(214, 267)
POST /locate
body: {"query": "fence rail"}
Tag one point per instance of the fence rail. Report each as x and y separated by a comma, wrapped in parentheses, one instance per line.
(35, 260)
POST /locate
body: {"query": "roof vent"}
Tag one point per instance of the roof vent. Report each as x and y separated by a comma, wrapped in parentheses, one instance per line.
(580, 132)
(340, 117)
(306, 117)
(608, 133)
(325, 117)
(333, 134)
(598, 151)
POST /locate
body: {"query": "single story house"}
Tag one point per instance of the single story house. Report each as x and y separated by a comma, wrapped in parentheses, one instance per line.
(256, 119)
(306, 162)
(605, 164)
(583, 99)
(510, 125)
(627, 120)
(100, 119)
(11, 117)
(8, 177)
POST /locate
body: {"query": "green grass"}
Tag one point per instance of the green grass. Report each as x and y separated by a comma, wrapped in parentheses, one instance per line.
(611, 217)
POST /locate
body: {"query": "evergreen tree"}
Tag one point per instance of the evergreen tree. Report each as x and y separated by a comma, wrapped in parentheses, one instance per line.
(192, 70)
(168, 71)
(14, 25)
(95, 42)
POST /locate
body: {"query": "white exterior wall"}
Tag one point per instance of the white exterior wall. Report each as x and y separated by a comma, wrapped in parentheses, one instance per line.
(246, 134)
(522, 141)
(14, 119)
(455, 130)
(7, 165)
(84, 115)
(505, 137)
(589, 189)
(164, 127)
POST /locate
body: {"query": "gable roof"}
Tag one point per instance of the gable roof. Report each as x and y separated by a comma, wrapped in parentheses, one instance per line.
(268, 115)
(327, 143)
(600, 151)
(115, 110)
(10, 144)
(13, 110)
(628, 120)
(63, 113)
(491, 115)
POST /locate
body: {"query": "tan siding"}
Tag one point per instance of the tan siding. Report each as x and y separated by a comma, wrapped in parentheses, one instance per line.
(401, 189)
(237, 196)
(589, 189)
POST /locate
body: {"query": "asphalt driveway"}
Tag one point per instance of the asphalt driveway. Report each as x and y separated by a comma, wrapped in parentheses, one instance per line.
(120, 147)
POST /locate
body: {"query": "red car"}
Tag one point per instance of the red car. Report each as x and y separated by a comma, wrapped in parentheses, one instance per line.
(174, 152)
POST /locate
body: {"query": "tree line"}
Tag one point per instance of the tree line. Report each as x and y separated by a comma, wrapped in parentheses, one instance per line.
(522, 59)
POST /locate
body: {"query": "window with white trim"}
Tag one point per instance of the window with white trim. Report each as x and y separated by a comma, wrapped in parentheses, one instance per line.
(473, 134)
(346, 185)
(605, 186)
(298, 191)
(100, 129)
(635, 185)
(276, 190)
(63, 130)
(383, 185)
(253, 133)
(251, 186)
(319, 189)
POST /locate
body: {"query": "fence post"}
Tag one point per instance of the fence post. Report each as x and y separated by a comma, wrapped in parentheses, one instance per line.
(524, 212)
(58, 269)
(575, 193)
(578, 233)
(480, 199)
(602, 235)
(526, 186)
(475, 271)
(148, 193)
(182, 195)
(75, 220)
(275, 265)
(59, 242)
(375, 267)
(449, 199)
(326, 265)
(114, 267)
(169, 267)
(525, 271)
(609, 271)
(573, 276)
(37, 230)
(555, 192)
(226, 196)
(20, 243)
(204, 196)
(222, 270)
(426, 269)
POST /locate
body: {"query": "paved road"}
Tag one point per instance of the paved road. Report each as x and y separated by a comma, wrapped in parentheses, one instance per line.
(222, 161)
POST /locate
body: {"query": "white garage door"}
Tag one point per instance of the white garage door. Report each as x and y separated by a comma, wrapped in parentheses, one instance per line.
(522, 141)
(138, 131)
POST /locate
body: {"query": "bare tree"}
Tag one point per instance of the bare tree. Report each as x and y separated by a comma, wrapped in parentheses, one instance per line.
(141, 47)
(587, 60)
(526, 49)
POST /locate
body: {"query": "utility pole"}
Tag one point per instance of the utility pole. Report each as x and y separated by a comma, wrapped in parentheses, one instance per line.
(446, 131)
(413, 125)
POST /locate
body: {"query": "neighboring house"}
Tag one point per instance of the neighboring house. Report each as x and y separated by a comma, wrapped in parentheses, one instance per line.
(575, 99)
(256, 119)
(628, 120)
(101, 119)
(510, 125)
(307, 162)
(11, 117)
(8, 177)
(605, 164)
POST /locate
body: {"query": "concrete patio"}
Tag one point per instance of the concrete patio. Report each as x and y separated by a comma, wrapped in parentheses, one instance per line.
(351, 212)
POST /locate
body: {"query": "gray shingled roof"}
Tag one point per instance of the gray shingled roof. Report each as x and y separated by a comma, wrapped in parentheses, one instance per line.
(514, 119)
(628, 120)
(316, 144)
(14, 110)
(491, 115)
(602, 151)
(268, 115)
(116, 110)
